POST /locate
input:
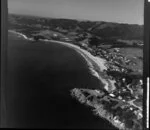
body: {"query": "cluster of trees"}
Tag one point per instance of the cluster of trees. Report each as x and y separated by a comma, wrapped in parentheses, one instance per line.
(94, 41)
(37, 37)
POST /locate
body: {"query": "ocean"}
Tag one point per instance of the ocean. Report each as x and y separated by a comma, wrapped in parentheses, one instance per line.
(39, 79)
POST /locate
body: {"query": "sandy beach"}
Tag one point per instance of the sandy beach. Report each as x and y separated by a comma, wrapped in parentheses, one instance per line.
(89, 58)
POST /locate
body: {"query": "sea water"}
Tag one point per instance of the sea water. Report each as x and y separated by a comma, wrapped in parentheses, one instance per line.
(39, 79)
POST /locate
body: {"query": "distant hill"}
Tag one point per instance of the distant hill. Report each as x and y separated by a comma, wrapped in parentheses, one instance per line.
(101, 29)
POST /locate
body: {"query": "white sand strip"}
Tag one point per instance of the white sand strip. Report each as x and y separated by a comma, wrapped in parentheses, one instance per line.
(100, 63)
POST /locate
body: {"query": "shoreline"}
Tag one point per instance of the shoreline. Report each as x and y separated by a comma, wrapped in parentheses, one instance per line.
(89, 58)
(97, 110)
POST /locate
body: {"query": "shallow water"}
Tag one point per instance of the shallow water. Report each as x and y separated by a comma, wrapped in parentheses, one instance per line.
(39, 79)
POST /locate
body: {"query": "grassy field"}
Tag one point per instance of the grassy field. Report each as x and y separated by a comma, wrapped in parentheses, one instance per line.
(131, 52)
(135, 55)
(132, 58)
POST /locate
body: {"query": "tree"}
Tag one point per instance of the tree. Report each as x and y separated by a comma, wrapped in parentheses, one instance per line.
(37, 37)
(94, 41)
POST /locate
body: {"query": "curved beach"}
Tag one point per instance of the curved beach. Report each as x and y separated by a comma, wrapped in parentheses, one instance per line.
(89, 58)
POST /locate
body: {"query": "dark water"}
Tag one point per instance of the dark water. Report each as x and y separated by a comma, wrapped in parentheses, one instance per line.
(39, 79)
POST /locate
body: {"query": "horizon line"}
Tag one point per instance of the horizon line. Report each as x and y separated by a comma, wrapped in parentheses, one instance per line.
(75, 19)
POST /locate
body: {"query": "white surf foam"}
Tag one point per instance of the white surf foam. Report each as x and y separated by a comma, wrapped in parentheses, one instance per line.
(24, 36)
(99, 62)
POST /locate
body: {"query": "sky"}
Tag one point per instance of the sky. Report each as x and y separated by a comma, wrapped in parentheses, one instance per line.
(121, 11)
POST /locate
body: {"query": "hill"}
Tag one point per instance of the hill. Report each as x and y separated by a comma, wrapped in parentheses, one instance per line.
(102, 29)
